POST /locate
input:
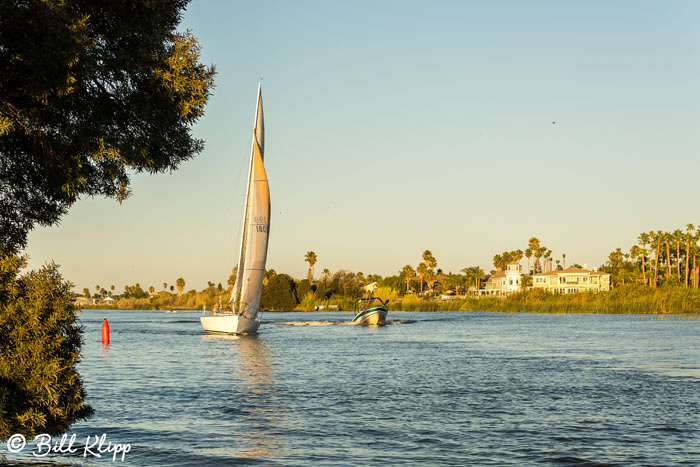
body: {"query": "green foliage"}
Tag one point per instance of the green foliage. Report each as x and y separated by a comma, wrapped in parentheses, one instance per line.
(308, 301)
(279, 294)
(397, 283)
(90, 92)
(134, 291)
(507, 257)
(305, 288)
(344, 283)
(386, 293)
(180, 283)
(40, 389)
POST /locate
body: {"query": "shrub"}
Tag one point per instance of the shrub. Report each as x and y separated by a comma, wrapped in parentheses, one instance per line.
(40, 340)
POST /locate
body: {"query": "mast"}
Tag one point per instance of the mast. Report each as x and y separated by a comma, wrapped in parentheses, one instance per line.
(259, 139)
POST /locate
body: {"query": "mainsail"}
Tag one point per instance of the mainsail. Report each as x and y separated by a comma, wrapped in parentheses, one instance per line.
(256, 227)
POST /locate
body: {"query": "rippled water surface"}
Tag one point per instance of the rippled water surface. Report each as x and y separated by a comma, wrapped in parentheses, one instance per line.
(429, 389)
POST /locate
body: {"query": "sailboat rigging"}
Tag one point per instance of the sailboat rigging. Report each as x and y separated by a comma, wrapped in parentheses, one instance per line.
(245, 316)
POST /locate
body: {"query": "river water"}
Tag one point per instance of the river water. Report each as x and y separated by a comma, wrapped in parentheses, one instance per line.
(428, 389)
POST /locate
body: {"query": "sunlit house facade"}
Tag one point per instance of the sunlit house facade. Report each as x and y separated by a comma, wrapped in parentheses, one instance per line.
(504, 282)
(572, 280)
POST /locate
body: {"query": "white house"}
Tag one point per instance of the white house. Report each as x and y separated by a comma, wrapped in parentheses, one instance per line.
(504, 282)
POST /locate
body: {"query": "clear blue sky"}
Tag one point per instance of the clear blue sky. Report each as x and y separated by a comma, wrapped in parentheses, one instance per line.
(393, 127)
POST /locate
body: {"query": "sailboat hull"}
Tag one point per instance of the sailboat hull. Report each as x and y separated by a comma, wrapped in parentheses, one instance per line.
(229, 324)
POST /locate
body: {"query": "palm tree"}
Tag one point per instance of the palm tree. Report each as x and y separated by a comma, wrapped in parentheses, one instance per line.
(478, 275)
(326, 274)
(86, 292)
(534, 246)
(563, 257)
(429, 263)
(165, 285)
(528, 255)
(656, 238)
(688, 237)
(430, 278)
(538, 255)
(422, 269)
(408, 273)
(696, 269)
(643, 239)
(310, 258)
(667, 239)
(151, 289)
(635, 253)
(678, 236)
(180, 284)
(497, 262)
(518, 256)
(429, 259)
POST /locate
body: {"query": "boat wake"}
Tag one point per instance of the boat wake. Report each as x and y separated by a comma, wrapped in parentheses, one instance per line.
(334, 323)
(311, 323)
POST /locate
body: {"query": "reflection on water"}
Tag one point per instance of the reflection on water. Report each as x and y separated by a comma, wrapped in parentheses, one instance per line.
(253, 381)
(105, 351)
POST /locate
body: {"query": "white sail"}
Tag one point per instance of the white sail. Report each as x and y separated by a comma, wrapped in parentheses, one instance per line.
(256, 227)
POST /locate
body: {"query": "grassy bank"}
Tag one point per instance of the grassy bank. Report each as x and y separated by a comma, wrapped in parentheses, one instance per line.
(623, 299)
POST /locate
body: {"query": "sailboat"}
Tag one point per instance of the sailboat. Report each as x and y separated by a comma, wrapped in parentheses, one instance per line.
(244, 315)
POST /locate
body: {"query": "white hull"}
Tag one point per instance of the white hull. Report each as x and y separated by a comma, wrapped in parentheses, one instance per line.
(229, 324)
(373, 317)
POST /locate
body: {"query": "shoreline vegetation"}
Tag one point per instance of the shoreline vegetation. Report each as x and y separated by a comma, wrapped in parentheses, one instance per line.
(660, 274)
(624, 299)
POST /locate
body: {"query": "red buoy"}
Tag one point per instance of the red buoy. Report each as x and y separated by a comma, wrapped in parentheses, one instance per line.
(105, 332)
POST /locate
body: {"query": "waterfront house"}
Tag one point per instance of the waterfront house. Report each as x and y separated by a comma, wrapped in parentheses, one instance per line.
(83, 301)
(572, 280)
(504, 282)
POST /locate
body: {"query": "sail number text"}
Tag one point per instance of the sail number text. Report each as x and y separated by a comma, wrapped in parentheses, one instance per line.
(262, 223)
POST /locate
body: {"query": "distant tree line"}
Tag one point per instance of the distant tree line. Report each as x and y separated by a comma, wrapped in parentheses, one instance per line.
(659, 258)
